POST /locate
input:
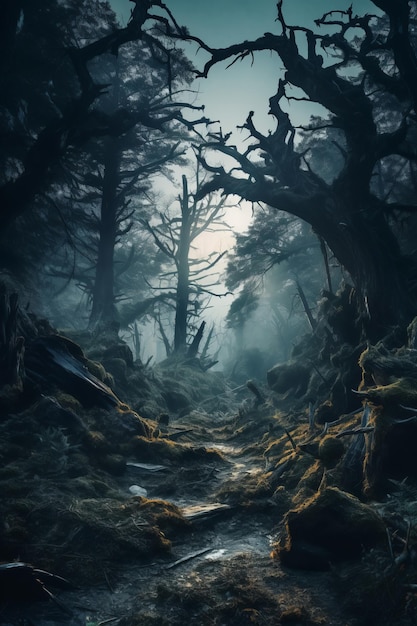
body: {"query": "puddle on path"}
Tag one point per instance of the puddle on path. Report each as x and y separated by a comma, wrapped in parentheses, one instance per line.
(255, 544)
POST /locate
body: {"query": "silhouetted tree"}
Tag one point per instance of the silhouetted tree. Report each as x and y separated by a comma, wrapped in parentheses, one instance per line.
(174, 235)
(129, 162)
(40, 127)
(345, 212)
(79, 133)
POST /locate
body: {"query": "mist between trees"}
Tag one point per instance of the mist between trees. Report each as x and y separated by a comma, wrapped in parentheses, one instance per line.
(96, 115)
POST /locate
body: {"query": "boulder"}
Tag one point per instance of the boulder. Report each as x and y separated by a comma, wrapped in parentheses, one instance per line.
(330, 527)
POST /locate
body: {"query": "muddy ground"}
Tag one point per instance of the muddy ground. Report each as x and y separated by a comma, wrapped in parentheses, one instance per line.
(198, 503)
(218, 569)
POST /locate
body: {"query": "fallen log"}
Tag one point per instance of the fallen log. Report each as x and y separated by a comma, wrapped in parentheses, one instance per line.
(55, 360)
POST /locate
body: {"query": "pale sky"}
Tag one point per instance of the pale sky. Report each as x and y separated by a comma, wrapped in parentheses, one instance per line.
(230, 94)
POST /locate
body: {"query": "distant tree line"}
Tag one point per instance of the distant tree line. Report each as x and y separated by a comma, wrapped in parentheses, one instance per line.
(92, 114)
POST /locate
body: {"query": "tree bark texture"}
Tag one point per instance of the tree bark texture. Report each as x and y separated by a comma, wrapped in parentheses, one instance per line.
(345, 213)
(11, 346)
(183, 269)
(103, 306)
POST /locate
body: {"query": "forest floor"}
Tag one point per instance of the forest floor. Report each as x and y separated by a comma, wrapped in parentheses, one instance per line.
(219, 570)
(238, 509)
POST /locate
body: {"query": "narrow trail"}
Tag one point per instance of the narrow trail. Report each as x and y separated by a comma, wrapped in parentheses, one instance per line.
(219, 571)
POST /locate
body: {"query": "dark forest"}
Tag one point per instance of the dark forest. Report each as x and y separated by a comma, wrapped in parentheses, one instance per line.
(162, 463)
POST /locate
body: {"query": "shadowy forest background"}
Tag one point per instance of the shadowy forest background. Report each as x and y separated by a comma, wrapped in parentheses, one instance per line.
(98, 123)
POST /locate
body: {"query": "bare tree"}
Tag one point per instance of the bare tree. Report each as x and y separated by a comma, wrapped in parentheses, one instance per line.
(354, 221)
(175, 237)
(71, 121)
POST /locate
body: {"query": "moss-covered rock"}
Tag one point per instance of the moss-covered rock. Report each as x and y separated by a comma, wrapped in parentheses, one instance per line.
(326, 412)
(331, 449)
(331, 526)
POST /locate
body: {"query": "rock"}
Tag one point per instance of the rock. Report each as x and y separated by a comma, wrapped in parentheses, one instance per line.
(330, 527)
(135, 490)
(119, 351)
(326, 412)
(56, 360)
(117, 368)
(288, 377)
(331, 449)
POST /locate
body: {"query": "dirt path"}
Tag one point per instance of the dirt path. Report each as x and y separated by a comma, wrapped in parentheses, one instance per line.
(219, 571)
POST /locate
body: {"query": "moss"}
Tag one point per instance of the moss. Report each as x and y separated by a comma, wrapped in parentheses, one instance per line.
(162, 514)
(281, 446)
(247, 494)
(119, 351)
(326, 412)
(117, 369)
(331, 526)
(95, 441)
(402, 391)
(296, 615)
(97, 369)
(75, 530)
(299, 466)
(69, 402)
(164, 450)
(374, 480)
(312, 477)
(236, 595)
(125, 415)
(331, 449)
(156, 450)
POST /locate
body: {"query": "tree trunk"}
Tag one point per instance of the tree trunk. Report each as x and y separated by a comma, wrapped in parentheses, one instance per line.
(103, 307)
(183, 269)
(11, 10)
(11, 346)
(383, 278)
(195, 344)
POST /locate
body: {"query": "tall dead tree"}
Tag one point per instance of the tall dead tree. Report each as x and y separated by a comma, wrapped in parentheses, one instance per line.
(175, 236)
(347, 213)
